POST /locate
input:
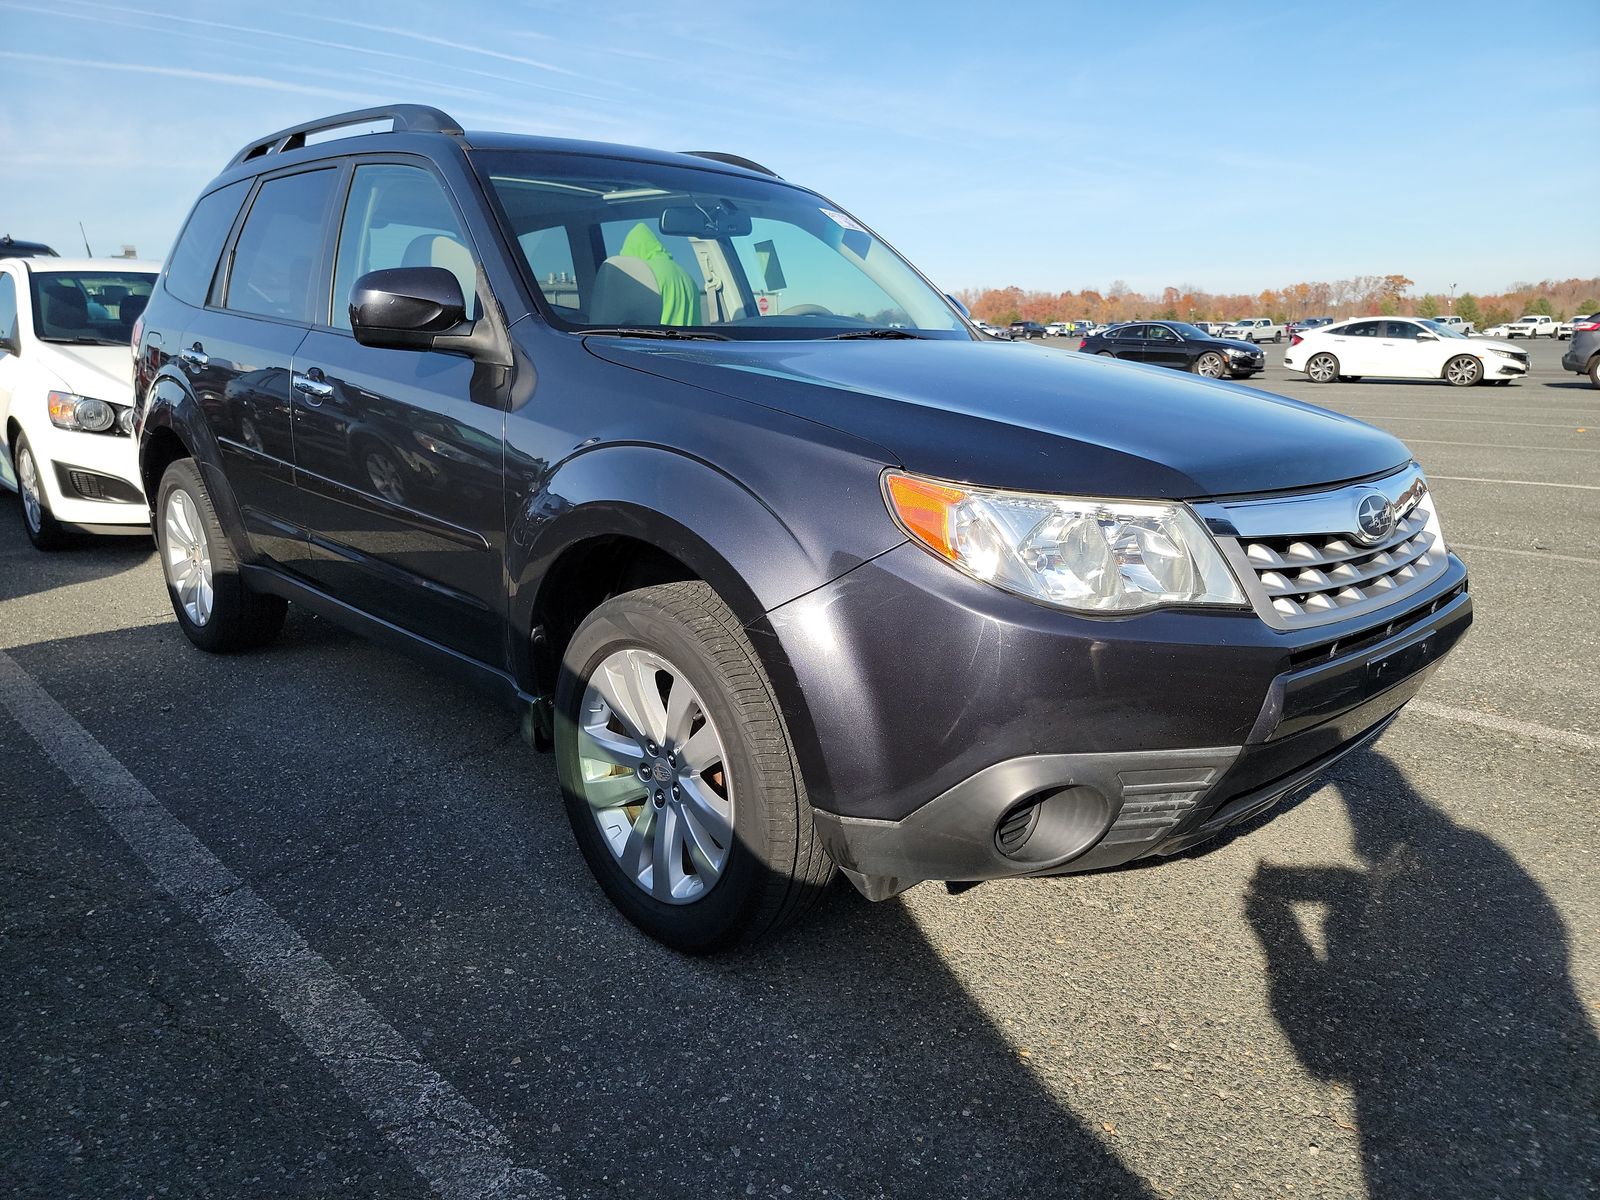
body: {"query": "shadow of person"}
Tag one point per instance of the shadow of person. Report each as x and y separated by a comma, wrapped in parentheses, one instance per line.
(1443, 1002)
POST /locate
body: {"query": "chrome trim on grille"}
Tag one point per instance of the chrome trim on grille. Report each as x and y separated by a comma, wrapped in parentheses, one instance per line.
(1302, 559)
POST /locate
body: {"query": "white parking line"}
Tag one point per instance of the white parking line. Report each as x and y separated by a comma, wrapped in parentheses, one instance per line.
(1412, 441)
(1522, 729)
(1582, 487)
(1576, 558)
(1390, 416)
(448, 1142)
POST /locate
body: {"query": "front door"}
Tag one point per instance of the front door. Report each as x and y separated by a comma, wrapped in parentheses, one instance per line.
(1164, 348)
(399, 454)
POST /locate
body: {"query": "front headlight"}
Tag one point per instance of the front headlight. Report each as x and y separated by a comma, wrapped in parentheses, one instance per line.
(1504, 353)
(68, 411)
(1078, 553)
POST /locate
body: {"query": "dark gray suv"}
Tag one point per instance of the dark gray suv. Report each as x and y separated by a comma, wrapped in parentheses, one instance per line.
(1583, 351)
(793, 570)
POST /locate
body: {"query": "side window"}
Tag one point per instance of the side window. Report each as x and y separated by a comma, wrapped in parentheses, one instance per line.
(1132, 333)
(549, 255)
(276, 255)
(1401, 329)
(193, 263)
(8, 309)
(1161, 333)
(1363, 329)
(399, 216)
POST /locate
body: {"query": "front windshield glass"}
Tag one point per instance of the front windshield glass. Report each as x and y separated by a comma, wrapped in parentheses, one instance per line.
(96, 307)
(617, 244)
(1442, 329)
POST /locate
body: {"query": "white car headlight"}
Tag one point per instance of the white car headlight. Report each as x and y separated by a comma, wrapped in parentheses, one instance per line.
(1074, 552)
(68, 411)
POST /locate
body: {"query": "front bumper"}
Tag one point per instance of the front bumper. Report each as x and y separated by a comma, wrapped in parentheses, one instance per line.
(991, 745)
(1495, 367)
(90, 479)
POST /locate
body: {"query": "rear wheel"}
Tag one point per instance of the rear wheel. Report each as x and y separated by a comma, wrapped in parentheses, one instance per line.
(1463, 371)
(1211, 364)
(1276, 338)
(214, 607)
(1322, 368)
(1594, 370)
(1104, 354)
(679, 778)
(44, 531)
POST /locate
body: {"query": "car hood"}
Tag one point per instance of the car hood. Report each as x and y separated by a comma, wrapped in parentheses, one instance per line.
(104, 372)
(1016, 416)
(1488, 344)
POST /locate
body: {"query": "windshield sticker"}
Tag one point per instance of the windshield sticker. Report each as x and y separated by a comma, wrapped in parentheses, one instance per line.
(844, 222)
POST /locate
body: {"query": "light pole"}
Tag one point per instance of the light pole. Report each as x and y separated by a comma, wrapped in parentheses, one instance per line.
(1452, 297)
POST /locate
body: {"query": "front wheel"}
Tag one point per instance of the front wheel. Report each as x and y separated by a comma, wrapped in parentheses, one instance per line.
(215, 609)
(1276, 338)
(678, 774)
(1322, 368)
(1211, 364)
(44, 531)
(1463, 371)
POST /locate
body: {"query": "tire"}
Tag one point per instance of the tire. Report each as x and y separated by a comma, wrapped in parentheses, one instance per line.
(43, 530)
(1210, 364)
(215, 609)
(1463, 371)
(1322, 368)
(1276, 338)
(1104, 354)
(622, 669)
(1594, 371)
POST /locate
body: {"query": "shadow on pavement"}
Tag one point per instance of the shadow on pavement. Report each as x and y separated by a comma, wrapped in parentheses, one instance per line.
(26, 571)
(1442, 1001)
(398, 822)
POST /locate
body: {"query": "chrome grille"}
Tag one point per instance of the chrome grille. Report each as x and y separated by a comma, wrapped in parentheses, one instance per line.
(1304, 562)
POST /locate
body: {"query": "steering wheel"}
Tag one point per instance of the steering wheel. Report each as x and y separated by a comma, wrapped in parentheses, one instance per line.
(807, 310)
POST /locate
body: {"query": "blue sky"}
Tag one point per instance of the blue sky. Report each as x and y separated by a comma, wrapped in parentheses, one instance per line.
(1047, 145)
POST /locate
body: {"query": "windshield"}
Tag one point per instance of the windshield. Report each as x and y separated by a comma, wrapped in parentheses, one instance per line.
(1442, 329)
(617, 244)
(96, 307)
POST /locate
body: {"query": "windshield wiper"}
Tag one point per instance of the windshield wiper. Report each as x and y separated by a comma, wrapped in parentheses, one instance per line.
(875, 333)
(640, 331)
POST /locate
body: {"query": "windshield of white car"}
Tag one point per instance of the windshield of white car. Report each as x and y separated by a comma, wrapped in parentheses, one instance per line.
(95, 308)
(1442, 329)
(615, 242)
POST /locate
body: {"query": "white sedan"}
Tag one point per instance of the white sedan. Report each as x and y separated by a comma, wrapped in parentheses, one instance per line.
(66, 394)
(1402, 348)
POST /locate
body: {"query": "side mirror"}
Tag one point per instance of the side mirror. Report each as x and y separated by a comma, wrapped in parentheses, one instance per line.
(405, 308)
(1425, 336)
(960, 307)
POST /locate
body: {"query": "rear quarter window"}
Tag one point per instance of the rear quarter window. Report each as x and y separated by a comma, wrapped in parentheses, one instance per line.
(193, 262)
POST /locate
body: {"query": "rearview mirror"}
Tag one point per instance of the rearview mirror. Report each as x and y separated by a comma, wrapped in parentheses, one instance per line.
(405, 308)
(688, 220)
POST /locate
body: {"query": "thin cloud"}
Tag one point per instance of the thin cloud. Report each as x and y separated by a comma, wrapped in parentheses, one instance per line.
(250, 81)
(465, 47)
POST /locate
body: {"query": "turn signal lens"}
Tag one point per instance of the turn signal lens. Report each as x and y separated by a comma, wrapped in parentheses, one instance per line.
(63, 410)
(1081, 553)
(85, 413)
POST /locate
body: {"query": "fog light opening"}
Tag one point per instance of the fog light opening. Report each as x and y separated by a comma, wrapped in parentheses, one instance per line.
(1053, 825)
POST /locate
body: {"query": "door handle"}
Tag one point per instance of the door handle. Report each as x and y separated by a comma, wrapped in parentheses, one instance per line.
(313, 386)
(195, 356)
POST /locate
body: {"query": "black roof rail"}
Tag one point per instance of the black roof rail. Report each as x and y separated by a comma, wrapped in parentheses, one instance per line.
(734, 160)
(407, 118)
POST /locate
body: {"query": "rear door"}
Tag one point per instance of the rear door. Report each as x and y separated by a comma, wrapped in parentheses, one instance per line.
(1354, 347)
(238, 349)
(400, 453)
(1128, 342)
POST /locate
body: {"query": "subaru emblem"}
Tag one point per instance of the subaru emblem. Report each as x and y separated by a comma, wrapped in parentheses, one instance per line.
(1374, 518)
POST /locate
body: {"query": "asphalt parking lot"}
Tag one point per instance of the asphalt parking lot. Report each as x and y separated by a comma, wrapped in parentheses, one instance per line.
(295, 922)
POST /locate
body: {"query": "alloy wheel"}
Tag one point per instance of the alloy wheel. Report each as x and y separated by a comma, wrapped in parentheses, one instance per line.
(1463, 370)
(32, 500)
(652, 768)
(188, 557)
(1322, 368)
(1211, 366)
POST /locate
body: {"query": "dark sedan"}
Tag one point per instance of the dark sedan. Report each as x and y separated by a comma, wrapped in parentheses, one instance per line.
(1305, 323)
(1177, 345)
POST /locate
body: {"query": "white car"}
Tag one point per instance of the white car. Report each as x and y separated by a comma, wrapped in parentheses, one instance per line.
(1564, 328)
(1532, 326)
(66, 394)
(1459, 324)
(1402, 348)
(1254, 329)
(1056, 329)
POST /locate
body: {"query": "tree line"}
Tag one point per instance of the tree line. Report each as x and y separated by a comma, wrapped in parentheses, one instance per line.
(1364, 295)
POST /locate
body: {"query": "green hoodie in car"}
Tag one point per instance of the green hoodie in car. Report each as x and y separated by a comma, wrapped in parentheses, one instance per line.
(680, 299)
